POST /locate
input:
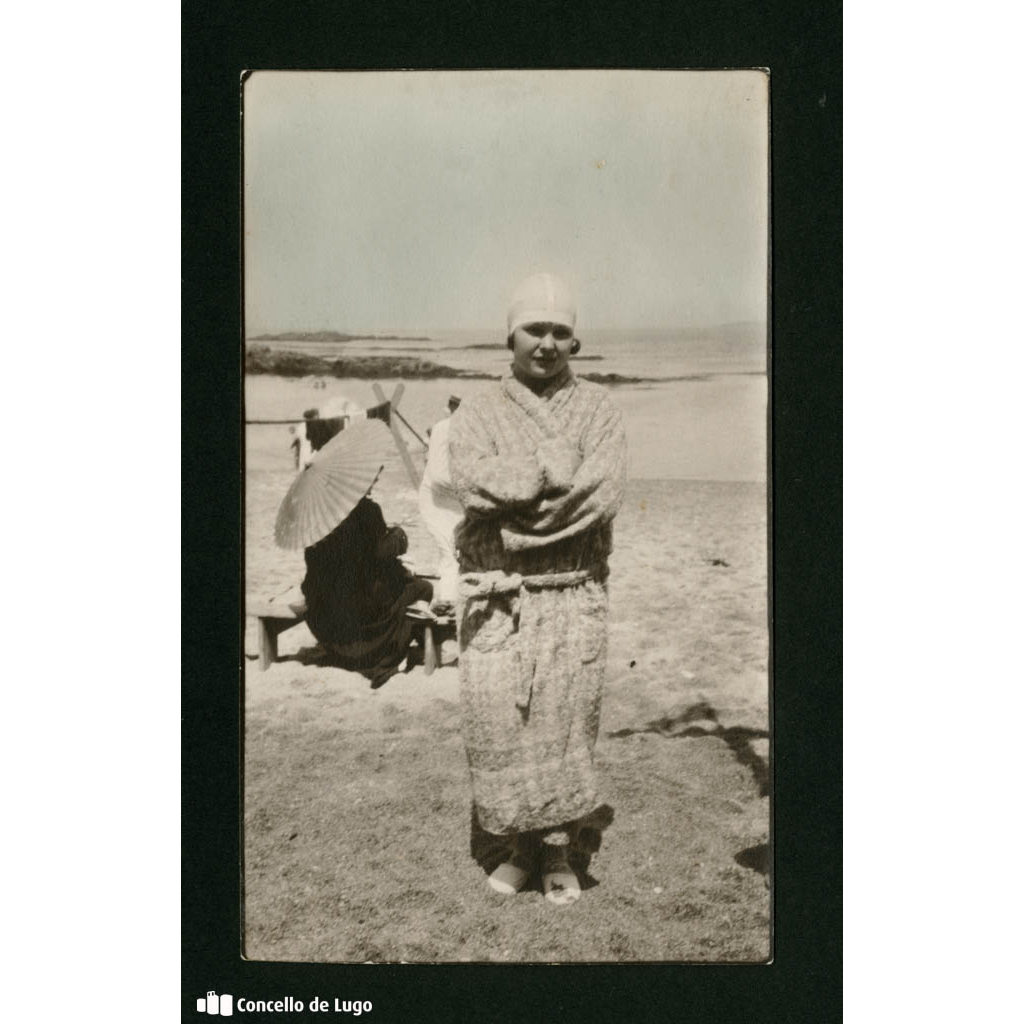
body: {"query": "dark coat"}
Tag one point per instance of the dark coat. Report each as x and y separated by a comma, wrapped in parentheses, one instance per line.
(357, 592)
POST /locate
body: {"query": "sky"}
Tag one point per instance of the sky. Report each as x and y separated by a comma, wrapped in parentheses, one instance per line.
(403, 201)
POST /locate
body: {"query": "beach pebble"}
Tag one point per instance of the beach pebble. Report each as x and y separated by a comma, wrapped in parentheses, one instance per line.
(658, 890)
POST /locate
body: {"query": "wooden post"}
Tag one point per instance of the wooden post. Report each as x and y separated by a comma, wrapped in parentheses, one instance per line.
(268, 643)
(410, 467)
(429, 649)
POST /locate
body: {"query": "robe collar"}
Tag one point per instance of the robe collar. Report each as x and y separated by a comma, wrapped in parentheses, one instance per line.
(541, 406)
(564, 378)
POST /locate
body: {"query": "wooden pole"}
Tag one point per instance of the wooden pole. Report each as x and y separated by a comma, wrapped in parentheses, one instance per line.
(410, 426)
(410, 467)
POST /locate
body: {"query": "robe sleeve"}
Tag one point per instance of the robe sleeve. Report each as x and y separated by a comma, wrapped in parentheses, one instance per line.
(594, 494)
(487, 483)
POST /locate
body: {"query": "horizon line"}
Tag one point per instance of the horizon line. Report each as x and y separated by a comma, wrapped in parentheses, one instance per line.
(369, 332)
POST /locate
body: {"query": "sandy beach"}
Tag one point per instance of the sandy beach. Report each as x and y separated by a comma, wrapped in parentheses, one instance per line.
(357, 800)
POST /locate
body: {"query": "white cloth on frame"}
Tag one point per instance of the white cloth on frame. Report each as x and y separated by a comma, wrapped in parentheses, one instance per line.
(441, 510)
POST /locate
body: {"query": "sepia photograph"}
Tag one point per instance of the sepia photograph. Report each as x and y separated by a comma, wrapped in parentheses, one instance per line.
(506, 674)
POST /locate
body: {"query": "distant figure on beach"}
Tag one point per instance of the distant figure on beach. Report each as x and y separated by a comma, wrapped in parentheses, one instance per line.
(301, 445)
(539, 464)
(330, 419)
(357, 591)
(441, 510)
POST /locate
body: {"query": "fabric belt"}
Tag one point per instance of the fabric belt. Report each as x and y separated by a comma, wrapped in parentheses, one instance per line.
(483, 584)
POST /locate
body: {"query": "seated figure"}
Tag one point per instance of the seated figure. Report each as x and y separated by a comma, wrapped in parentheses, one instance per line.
(357, 592)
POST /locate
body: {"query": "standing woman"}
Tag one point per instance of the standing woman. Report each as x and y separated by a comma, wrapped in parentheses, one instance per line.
(539, 464)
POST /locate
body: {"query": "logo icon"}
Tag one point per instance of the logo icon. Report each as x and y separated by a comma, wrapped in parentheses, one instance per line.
(215, 1004)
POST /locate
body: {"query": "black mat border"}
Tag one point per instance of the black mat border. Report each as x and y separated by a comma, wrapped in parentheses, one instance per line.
(800, 44)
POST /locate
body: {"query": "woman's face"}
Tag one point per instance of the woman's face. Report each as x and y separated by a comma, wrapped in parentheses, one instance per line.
(541, 350)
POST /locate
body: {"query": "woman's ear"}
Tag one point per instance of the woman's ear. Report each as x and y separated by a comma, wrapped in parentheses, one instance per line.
(575, 346)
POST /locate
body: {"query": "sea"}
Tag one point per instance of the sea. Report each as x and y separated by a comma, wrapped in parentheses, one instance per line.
(647, 355)
(694, 400)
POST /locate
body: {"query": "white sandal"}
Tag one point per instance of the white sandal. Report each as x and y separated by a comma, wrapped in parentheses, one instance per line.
(508, 878)
(561, 886)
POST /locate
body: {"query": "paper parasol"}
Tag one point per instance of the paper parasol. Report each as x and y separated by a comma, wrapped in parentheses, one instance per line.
(332, 483)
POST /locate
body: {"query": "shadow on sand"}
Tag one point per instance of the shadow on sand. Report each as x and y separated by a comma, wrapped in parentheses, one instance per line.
(693, 722)
(755, 858)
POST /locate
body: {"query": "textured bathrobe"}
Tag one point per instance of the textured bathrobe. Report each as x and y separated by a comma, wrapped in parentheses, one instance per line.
(541, 478)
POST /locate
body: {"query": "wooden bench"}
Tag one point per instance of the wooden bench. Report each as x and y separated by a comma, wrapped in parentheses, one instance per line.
(276, 614)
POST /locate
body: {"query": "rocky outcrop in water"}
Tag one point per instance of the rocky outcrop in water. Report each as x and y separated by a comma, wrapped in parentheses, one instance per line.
(263, 359)
(335, 337)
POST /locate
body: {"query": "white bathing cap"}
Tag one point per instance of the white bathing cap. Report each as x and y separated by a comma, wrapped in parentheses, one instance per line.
(542, 298)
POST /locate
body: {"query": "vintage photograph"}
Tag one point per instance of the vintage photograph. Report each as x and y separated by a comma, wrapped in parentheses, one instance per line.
(506, 482)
